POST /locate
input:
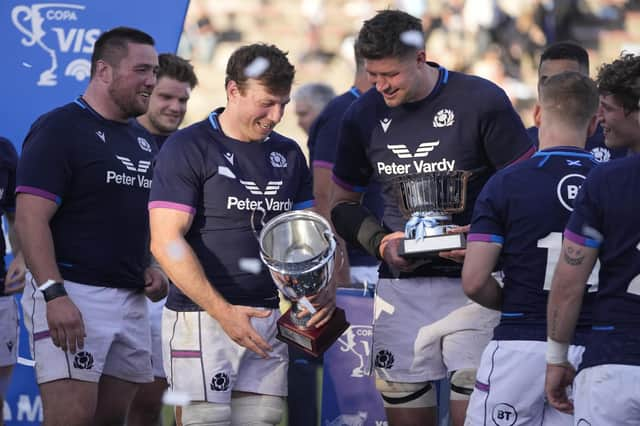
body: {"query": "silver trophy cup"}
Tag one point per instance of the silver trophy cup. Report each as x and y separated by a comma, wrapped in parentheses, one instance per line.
(299, 249)
(428, 200)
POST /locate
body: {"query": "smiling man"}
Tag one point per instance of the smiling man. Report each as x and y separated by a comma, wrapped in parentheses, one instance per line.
(619, 103)
(168, 103)
(209, 179)
(419, 118)
(84, 234)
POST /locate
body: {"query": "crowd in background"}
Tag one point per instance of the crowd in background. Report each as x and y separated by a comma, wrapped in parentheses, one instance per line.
(497, 39)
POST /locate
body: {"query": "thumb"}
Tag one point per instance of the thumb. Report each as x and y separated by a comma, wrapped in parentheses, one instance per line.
(260, 313)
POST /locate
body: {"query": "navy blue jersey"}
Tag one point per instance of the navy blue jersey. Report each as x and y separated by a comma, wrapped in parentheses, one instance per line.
(525, 208)
(221, 182)
(465, 123)
(8, 165)
(606, 217)
(159, 139)
(595, 144)
(99, 173)
(323, 141)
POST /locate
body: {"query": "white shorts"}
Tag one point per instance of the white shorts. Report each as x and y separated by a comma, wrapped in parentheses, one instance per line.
(117, 342)
(155, 319)
(203, 362)
(607, 394)
(426, 327)
(8, 331)
(510, 386)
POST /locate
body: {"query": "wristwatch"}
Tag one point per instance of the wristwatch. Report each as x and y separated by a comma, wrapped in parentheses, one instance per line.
(52, 289)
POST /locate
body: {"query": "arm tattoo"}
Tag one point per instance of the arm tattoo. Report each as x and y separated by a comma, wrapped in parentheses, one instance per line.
(573, 257)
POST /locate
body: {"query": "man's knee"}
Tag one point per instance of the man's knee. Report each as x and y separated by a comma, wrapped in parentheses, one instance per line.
(257, 410)
(406, 395)
(462, 383)
(206, 414)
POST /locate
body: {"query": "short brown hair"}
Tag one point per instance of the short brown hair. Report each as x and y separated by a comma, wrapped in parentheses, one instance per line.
(571, 97)
(381, 36)
(176, 68)
(112, 45)
(277, 77)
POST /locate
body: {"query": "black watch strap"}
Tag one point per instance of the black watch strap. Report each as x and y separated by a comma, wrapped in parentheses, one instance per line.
(54, 291)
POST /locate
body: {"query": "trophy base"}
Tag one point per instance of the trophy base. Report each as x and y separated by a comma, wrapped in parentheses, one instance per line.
(428, 246)
(314, 341)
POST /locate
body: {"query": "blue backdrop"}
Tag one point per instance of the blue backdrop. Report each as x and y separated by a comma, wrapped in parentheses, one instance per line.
(46, 49)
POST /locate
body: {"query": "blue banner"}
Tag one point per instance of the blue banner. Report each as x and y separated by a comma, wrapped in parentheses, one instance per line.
(349, 396)
(46, 49)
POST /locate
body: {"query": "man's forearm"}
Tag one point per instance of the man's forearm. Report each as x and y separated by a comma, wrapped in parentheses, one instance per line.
(567, 290)
(36, 243)
(488, 295)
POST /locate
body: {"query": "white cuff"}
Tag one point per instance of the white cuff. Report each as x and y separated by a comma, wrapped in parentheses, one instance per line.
(557, 352)
(48, 283)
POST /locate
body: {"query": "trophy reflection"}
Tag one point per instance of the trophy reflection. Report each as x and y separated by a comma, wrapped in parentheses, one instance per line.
(429, 200)
(299, 248)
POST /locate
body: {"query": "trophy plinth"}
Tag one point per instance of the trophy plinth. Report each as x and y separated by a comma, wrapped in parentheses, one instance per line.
(431, 245)
(314, 341)
(298, 247)
(429, 200)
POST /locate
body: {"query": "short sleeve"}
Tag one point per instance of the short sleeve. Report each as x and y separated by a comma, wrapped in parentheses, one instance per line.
(585, 224)
(487, 224)
(178, 175)
(9, 162)
(45, 166)
(304, 196)
(352, 169)
(504, 136)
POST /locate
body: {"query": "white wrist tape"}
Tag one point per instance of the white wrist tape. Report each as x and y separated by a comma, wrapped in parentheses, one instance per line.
(557, 352)
(48, 283)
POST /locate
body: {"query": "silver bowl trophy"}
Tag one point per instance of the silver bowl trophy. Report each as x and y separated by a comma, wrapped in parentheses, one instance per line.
(428, 200)
(299, 249)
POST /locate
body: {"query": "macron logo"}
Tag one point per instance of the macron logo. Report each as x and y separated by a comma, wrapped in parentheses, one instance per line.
(101, 135)
(385, 123)
(423, 150)
(229, 157)
(271, 188)
(143, 165)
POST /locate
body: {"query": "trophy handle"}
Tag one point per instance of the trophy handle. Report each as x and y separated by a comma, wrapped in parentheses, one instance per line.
(330, 236)
(262, 222)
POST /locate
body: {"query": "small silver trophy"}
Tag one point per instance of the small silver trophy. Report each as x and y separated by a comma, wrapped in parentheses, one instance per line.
(428, 200)
(299, 248)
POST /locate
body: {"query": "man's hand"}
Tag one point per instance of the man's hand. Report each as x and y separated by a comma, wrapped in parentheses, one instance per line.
(559, 377)
(14, 279)
(156, 284)
(325, 303)
(236, 322)
(456, 255)
(66, 326)
(389, 252)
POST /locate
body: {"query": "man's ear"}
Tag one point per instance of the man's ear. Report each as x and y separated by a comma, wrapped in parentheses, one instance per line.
(104, 71)
(537, 114)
